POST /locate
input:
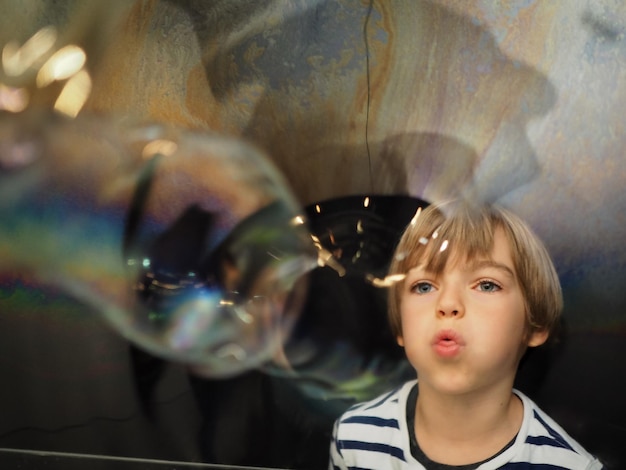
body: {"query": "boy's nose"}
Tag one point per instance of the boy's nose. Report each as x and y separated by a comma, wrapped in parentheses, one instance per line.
(449, 312)
(449, 305)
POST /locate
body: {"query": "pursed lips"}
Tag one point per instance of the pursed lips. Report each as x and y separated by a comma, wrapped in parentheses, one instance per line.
(447, 343)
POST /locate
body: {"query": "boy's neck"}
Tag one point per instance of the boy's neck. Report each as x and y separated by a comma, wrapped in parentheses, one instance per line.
(464, 429)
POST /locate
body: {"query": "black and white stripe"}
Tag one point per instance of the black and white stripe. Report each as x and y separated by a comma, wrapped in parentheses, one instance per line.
(374, 436)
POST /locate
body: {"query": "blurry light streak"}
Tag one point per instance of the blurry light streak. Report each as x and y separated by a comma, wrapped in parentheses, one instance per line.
(244, 316)
(297, 220)
(64, 63)
(326, 258)
(331, 236)
(359, 226)
(416, 216)
(400, 256)
(16, 60)
(231, 350)
(14, 100)
(387, 281)
(74, 94)
(316, 242)
(272, 255)
(366, 202)
(159, 147)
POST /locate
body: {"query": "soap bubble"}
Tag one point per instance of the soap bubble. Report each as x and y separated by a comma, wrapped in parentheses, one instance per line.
(342, 350)
(189, 244)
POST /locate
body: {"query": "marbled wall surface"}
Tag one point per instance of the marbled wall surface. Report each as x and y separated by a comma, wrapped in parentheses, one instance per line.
(517, 101)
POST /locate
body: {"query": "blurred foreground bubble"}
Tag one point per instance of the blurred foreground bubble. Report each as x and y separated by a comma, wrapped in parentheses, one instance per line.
(189, 244)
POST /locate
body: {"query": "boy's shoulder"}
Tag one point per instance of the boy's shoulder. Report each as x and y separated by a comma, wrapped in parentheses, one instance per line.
(542, 441)
(382, 419)
(388, 404)
(373, 434)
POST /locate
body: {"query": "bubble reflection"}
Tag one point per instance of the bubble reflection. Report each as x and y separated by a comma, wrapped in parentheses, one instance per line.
(195, 253)
(342, 349)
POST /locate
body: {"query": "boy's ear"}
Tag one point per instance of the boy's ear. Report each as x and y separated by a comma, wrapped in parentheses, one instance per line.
(537, 338)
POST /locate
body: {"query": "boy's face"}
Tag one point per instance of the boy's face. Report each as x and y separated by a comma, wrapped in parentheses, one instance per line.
(464, 330)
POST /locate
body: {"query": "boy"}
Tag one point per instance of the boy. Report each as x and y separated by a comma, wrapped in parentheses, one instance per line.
(477, 289)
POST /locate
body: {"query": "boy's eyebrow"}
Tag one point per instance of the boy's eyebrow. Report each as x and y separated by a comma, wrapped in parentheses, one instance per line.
(488, 263)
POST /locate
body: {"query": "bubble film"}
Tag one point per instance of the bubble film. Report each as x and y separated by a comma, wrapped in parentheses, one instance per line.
(190, 245)
(342, 349)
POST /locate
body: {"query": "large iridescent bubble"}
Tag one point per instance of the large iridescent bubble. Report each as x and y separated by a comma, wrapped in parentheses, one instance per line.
(190, 244)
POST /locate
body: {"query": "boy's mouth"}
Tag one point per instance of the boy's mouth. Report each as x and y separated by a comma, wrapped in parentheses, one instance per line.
(447, 343)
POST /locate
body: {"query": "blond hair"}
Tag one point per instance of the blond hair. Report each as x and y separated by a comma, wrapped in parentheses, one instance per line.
(469, 231)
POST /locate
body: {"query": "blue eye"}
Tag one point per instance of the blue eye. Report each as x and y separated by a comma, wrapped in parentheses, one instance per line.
(488, 286)
(422, 287)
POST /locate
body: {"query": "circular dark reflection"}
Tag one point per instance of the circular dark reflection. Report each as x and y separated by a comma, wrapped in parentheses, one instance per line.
(343, 308)
(362, 231)
(342, 350)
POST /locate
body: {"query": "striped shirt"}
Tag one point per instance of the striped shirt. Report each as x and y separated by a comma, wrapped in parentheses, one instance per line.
(374, 435)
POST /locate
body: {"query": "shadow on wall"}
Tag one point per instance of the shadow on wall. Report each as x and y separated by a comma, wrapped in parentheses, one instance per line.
(317, 85)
